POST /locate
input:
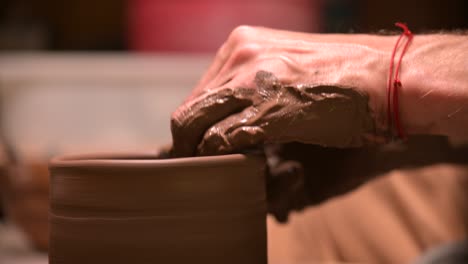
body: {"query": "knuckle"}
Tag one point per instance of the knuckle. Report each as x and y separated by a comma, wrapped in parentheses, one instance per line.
(241, 33)
(244, 52)
(239, 45)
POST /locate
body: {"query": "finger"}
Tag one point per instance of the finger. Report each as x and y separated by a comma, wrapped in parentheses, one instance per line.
(190, 121)
(237, 132)
(241, 139)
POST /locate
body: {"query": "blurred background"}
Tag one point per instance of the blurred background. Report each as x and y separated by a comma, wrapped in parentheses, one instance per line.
(82, 75)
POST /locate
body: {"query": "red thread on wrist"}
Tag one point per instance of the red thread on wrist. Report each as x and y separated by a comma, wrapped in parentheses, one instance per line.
(392, 92)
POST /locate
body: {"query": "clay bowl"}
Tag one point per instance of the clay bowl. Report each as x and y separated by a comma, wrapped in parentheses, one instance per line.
(25, 195)
(139, 209)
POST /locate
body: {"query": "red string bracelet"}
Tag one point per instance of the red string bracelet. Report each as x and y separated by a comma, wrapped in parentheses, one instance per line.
(392, 92)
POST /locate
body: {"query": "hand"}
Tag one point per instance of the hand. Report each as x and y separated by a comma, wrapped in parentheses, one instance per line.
(302, 175)
(276, 86)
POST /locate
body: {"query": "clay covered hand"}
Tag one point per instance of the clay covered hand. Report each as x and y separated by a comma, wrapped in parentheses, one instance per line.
(271, 87)
(275, 86)
(302, 175)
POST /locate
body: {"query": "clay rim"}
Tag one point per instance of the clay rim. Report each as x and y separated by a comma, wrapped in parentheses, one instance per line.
(142, 159)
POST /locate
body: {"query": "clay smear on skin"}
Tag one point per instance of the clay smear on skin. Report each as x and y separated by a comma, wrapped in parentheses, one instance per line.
(324, 115)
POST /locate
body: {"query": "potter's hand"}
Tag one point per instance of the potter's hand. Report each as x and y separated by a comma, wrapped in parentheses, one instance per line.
(302, 175)
(277, 86)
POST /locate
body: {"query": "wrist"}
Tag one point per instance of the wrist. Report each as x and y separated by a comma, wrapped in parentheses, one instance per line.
(374, 79)
(369, 75)
(434, 91)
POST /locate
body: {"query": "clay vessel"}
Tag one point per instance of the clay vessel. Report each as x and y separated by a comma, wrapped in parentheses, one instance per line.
(138, 209)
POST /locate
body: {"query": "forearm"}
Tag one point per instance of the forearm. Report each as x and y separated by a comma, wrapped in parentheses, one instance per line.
(434, 96)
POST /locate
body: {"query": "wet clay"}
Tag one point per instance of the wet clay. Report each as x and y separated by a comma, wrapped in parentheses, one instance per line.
(138, 209)
(229, 120)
